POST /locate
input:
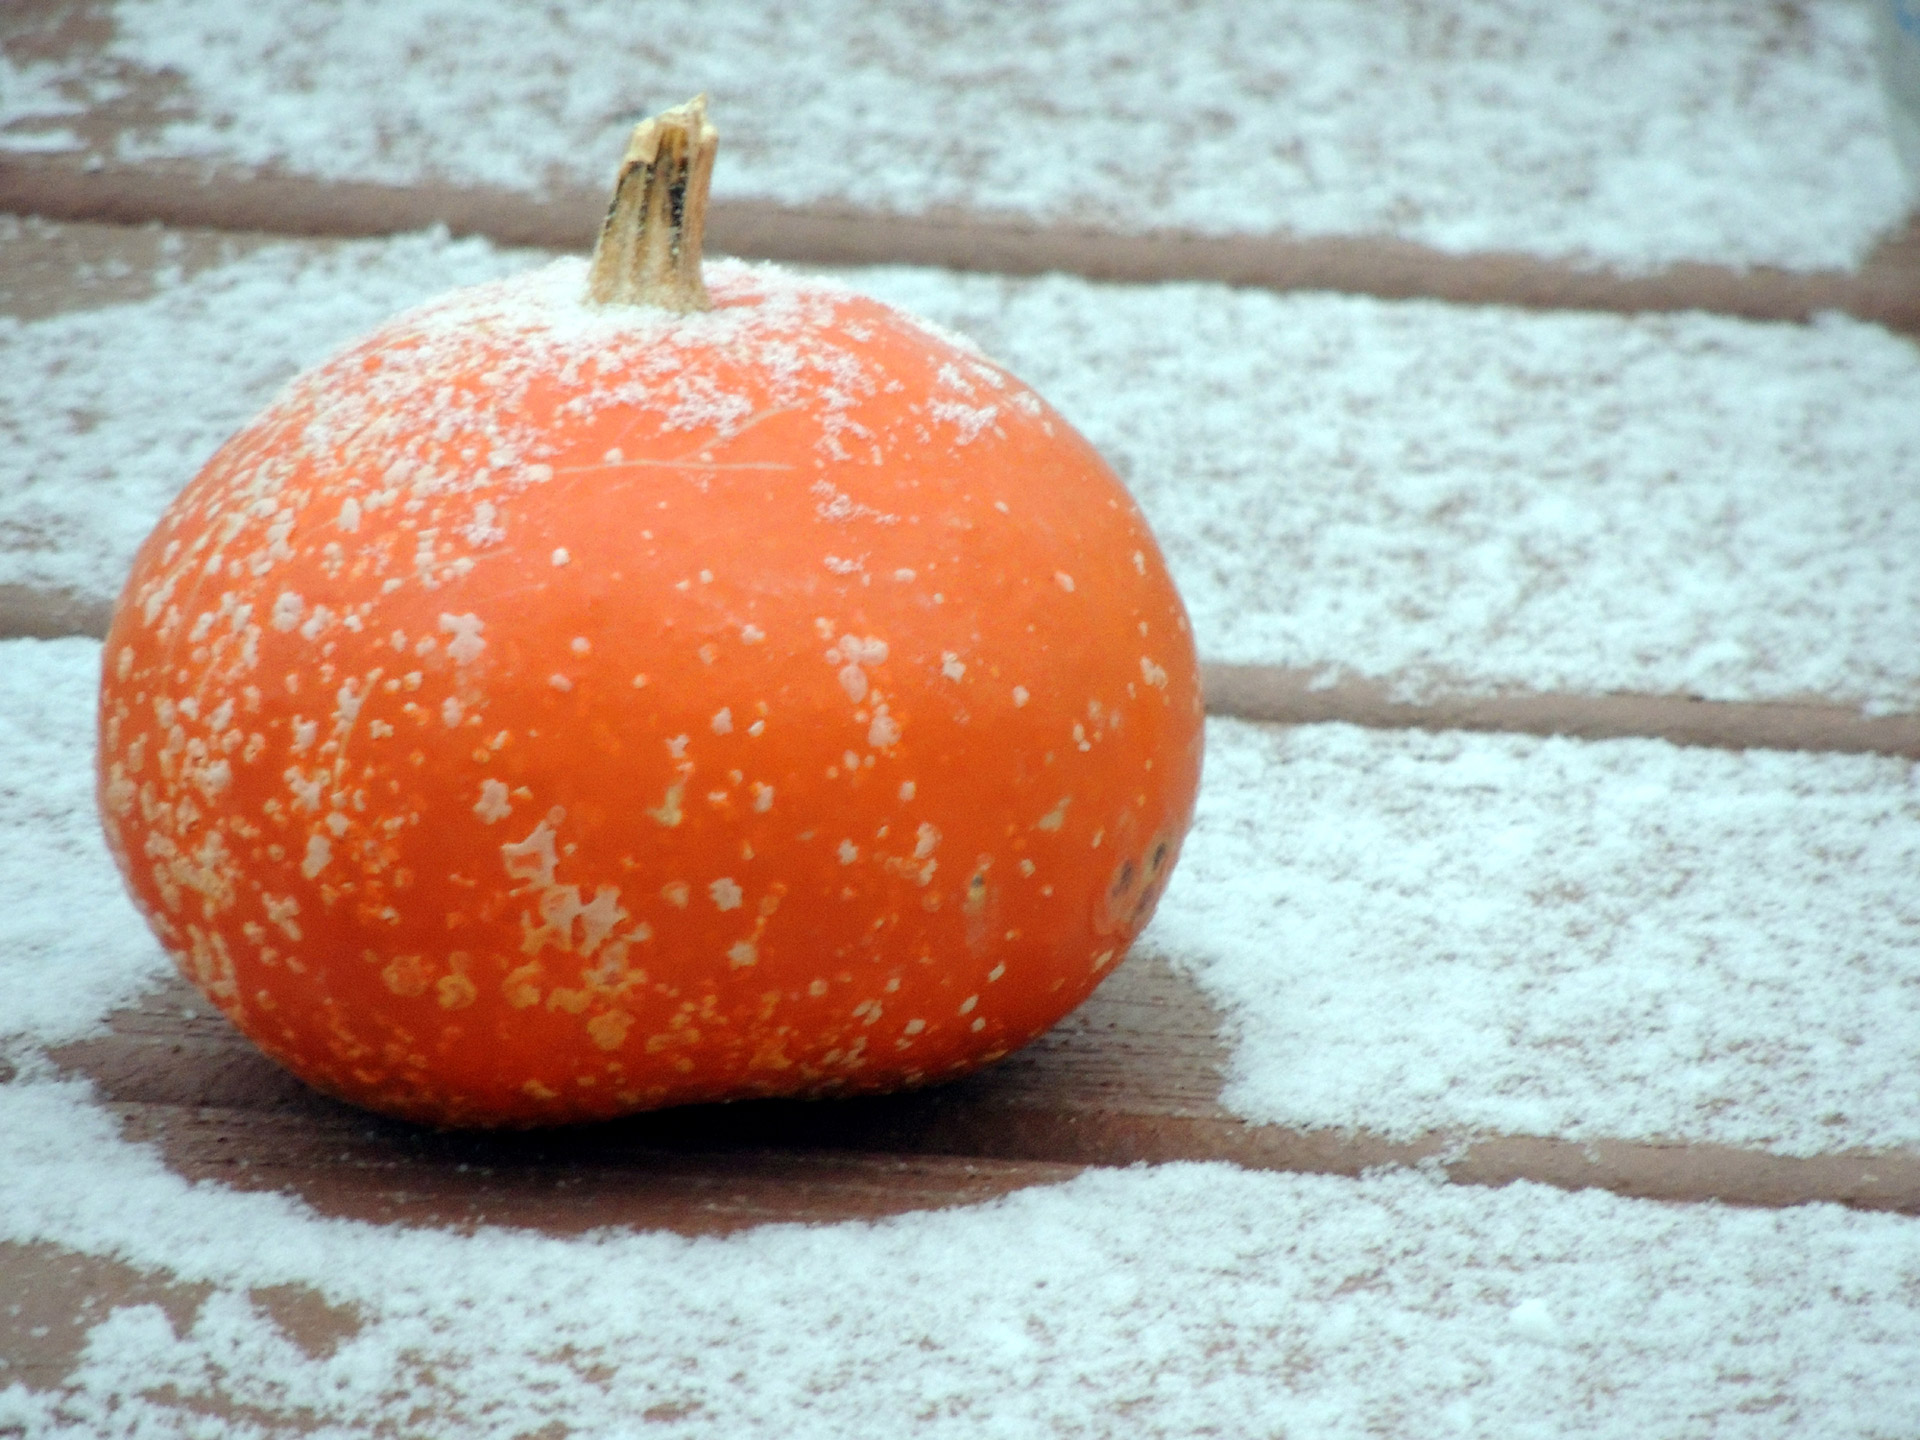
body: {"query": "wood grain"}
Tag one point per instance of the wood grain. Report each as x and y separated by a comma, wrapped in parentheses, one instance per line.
(54, 1296)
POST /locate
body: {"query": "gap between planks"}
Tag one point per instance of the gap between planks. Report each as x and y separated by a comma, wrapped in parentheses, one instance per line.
(1132, 1077)
(1886, 289)
(1301, 697)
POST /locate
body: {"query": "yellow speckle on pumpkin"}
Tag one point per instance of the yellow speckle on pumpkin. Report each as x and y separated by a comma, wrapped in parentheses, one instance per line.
(405, 975)
(522, 986)
(609, 1029)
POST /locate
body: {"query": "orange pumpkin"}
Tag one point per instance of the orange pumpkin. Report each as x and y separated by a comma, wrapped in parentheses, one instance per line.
(554, 707)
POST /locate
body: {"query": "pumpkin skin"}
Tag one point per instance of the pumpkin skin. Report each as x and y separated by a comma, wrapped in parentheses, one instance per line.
(543, 712)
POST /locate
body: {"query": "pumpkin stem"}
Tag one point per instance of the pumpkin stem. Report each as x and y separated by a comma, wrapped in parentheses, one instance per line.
(649, 247)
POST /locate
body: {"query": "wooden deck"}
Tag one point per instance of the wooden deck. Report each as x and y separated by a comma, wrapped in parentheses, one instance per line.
(1135, 1076)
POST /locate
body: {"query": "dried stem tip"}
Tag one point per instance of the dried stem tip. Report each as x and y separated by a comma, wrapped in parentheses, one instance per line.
(649, 247)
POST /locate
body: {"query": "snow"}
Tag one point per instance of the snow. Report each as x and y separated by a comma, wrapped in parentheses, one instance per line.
(1181, 1299)
(71, 946)
(1404, 932)
(1443, 497)
(1605, 132)
(105, 413)
(1498, 934)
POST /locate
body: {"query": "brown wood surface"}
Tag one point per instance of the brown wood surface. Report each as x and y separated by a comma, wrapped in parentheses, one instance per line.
(53, 1296)
(1138, 1071)
(1132, 1077)
(1299, 697)
(48, 267)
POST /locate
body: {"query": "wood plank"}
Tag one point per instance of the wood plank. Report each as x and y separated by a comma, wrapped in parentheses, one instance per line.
(48, 268)
(29, 612)
(1886, 289)
(55, 1295)
(1132, 1077)
(1519, 127)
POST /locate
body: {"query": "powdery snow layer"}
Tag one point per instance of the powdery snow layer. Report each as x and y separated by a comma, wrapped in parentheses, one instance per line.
(1405, 933)
(1461, 933)
(1436, 495)
(1180, 1300)
(1607, 131)
(72, 947)
(106, 413)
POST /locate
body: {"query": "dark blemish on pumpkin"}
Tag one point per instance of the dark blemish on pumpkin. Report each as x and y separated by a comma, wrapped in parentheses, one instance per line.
(1156, 882)
(1126, 911)
(976, 890)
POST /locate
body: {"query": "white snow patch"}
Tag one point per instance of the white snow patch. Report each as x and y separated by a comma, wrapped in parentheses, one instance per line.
(467, 642)
(493, 804)
(1179, 1299)
(1609, 131)
(1626, 939)
(72, 946)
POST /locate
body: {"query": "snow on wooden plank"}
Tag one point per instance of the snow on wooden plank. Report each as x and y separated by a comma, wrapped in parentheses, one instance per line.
(1171, 1299)
(1625, 940)
(1133, 1077)
(1600, 134)
(1474, 499)
(1414, 500)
